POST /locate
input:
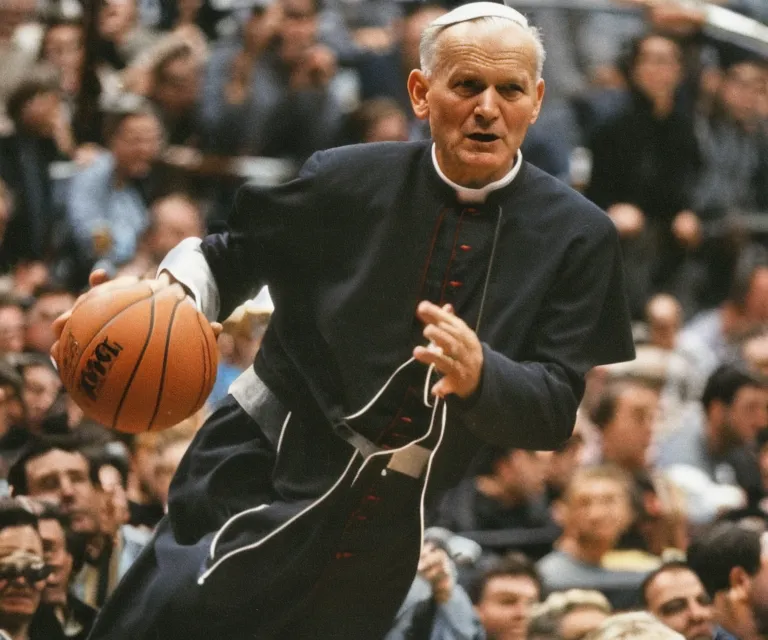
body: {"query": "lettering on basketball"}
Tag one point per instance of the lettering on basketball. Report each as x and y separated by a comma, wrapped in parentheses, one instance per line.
(98, 365)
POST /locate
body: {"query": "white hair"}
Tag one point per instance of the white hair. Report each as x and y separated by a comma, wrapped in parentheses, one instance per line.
(635, 625)
(430, 35)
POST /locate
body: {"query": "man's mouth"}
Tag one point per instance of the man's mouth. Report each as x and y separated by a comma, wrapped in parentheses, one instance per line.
(483, 137)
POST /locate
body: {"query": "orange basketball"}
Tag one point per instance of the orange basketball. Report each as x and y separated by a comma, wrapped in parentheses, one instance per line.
(137, 360)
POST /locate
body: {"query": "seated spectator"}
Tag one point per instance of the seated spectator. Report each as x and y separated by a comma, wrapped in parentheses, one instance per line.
(633, 626)
(436, 607)
(23, 571)
(732, 564)
(721, 449)
(664, 317)
(176, 75)
(42, 388)
(48, 304)
(12, 325)
(508, 492)
(569, 615)
(55, 469)
(643, 165)
(61, 615)
(63, 47)
(107, 203)
(675, 595)
(596, 510)
(377, 120)
(504, 595)
(41, 138)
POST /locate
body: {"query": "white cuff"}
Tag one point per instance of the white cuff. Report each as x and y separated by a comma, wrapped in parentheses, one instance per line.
(188, 265)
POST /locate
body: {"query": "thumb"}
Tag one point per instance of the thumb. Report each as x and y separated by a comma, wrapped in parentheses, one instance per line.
(97, 277)
(442, 388)
(217, 328)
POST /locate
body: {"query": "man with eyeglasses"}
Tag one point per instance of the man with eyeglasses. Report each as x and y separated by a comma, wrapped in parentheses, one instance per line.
(23, 571)
(675, 595)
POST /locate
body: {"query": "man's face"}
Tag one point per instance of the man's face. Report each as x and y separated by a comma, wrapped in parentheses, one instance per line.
(116, 19)
(63, 47)
(741, 91)
(525, 472)
(748, 412)
(136, 145)
(41, 387)
(62, 477)
(630, 432)
(173, 219)
(598, 511)
(20, 547)
(178, 84)
(413, 26)
(658, 69)
(39, 335)
(480, 99)
(298, 29)
(12, 325)
(58, 558)
(505, 606)
(677, 598)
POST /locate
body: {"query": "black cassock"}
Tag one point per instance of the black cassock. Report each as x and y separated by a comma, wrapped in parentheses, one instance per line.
(296, 512)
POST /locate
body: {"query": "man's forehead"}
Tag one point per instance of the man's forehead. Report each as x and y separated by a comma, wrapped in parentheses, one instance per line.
(57, 460)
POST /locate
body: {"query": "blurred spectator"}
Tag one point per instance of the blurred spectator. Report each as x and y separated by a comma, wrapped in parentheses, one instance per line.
(107, 204)
(12, 325)
(436, 608)
(144, 505)
(176, 76)
(377, 120)
(564, 462)
(64, 47)
(569, 615)
(48, 304)
(55, 469)
(23, 571)
(42, 387)
(643, 169)
(675, 595)
(61, 614)
(169, 455)
(596, 510)
(664, 316)
(42, 137)
(633, 626)
(625, 415)
(723, 448)
(504, 595)
(732, 563)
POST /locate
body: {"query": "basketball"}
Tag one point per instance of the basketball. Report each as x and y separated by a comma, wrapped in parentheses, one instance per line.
(135, 359)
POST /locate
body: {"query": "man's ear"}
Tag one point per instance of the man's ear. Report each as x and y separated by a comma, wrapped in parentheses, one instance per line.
(740, 584)
(418, 87)
(540, 90)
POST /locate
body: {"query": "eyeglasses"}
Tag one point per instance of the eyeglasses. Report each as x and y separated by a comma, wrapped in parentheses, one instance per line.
(32, 572)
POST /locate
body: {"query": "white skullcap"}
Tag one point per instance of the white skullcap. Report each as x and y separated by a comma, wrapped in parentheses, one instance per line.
(475, 10)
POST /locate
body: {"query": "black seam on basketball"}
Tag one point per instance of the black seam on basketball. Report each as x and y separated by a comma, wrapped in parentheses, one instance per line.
(84, 350)
(138, 363)
(206, 365)
(165, 364)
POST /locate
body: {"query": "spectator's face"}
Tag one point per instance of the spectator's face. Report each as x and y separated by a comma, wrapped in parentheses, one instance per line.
(39, 335)
(20, 547)
(62, 477)
(392, 127)
(63, 48)
(11, 405)
(413, 27)
(664, 320)
(480, 99)
(597, 511)
(58, 558)
(116, 19)
(178, 85)
(741, 92)
(115, 511)
(748, 413)
(564, 462)
(136, 145)
(578, 622)
(167, 463)
(12, 326)
(628, 435)
(525, 472)
(39, 114)
(658, 69)
(298, 29)
(173, 220)
(505, 606)
(41, 387)
(678, 599)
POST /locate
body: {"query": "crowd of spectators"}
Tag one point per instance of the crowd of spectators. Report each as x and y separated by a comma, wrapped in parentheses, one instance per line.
(127, 126)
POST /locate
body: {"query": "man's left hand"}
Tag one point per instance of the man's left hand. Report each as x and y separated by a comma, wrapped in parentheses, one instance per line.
(454, 349)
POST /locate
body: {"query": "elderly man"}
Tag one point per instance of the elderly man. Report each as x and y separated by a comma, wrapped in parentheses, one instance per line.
(428, 296)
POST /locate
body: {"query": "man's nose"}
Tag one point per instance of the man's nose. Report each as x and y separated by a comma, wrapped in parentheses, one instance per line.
(487, 108)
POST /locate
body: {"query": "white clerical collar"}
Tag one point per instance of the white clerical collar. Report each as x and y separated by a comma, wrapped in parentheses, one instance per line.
(465, 194)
